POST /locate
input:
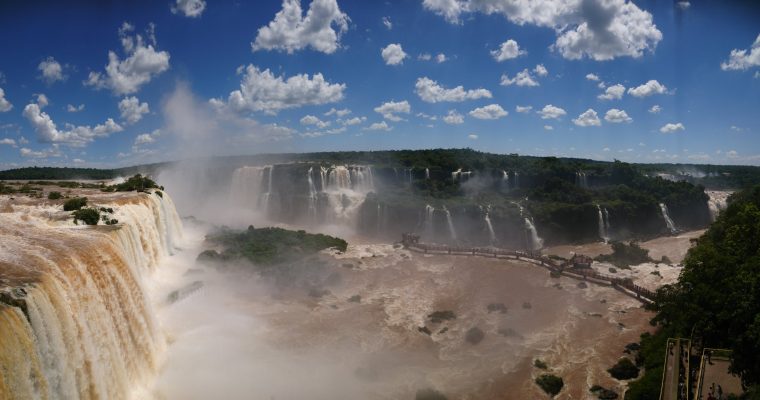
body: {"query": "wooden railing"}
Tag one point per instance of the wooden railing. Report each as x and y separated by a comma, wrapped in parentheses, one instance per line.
(571, 268)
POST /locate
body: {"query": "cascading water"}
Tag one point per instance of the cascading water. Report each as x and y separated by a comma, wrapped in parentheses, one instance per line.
(450, 222)
(246, 186)
(75, 321)
(427, 173)
(536, 243)
(312, 196)
(716, 202)
(581, 179)
(666, 217)
(517, 180)
(505, 180)
(603, 224)
(489, 225)
(428, 221)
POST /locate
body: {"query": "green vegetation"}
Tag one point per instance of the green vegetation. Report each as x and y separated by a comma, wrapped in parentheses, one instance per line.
(540, 364)
(135, 183)
(650, 356)
(90, 216)
(55, 196)
(551, 384)
(267, 246)
(624, 369)
(624, 255)
(37, 173)
(437, 317)
(74, 204)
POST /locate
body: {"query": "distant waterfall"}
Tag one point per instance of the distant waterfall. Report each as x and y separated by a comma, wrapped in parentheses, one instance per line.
(312, 195)
(505, 180)
(536, 243)
(427, 173)
(581, 179)
(428, 221)
(666, 216)
(489, 225)
(247, 183)
(517, 180)
(450, 222)
(268, 194)
(408, 174)
(717, 202)
(459, 174)
(604, 223)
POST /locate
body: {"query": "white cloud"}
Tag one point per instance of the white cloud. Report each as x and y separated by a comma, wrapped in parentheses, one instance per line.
(540, 70)
(263, 91)
(50, 152)
(736, 128)
(491, 111)
(76, 136)
(670, 127)
(732, 154)
(523, 78)
(147, 138)
(588, 118)
(354, 121)
(592, 77)
(472, 136)
(598, 29)
(647, 89)
(132, 110)
(340, 113)
(393, 54)
(431, 92)
(387, 22)
(8, 141)
(78, 161)
(389, 110)
(72, 108)
(190, 8)
(312, 120)
(551, 112)
(614, 92)
(453, 118)
(5, 105)
(291, 30)
(51, 70)
(440, 58)
(523, 109)
(507, 51)
(378, 126)
(42, 100)
(548, 127)
(617, 116)
(743, 59)
(655, 109)
(683, 5)
(424, 57)
(333, 131)
(142, 63)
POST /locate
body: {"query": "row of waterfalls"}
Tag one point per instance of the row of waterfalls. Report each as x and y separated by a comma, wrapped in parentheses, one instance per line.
(75, 319)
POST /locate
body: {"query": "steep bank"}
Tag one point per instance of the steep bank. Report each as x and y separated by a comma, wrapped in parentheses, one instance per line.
(75, 321)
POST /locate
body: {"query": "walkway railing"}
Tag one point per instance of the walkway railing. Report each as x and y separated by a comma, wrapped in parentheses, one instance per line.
(576, 267)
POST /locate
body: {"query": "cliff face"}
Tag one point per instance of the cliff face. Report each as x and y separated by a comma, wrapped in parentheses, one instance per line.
(75, 322)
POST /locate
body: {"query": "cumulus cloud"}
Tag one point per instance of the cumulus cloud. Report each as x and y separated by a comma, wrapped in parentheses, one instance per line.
(523, 78)
(132, 110)
(265, 92)
(671, 127)
(650, 88)
(523, 109)
(393, 54)
(683, 5)
(472, 136)
(548, 127)
(551, 112)
(142, 63)
(598, 29)
(42, 100)
(453, 118)
(8, 141)
(614, 92)
(588, 118)
(440, 58)
(743, 59)
(189, 8)
(732, 154)
(309, 120)
(147, 138)
(5, 105)
(617, 116)
(655, 109)
(72, 108)
(507, 51)
(76, 136)
(389, 110)
(320, 29)
(354, 121)
(592, 77)
(491, 111)
(540, 70)
(431, 92)
(424, 57)
(53, 151)
(51, 71)
(340, 113)
(387, 22)
(378, 126)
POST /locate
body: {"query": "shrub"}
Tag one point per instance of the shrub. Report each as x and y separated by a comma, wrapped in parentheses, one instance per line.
(439, 316)
(551, 384)
(54, 195)
(90, 216)
(75, 204)
(540, 364)
(624, 369)
(159, 194)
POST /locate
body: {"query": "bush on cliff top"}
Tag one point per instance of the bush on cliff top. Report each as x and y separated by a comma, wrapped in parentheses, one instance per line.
(75, 204)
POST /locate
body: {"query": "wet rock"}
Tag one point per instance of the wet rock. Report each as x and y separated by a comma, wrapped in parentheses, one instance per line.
(355, 299)
(474, 335)
(527, 306)
(595, 314)
(439, 316)
(497, 307)
(582, 285)
(425, 330)
(444, 330)
(603, 393)
(347, 265)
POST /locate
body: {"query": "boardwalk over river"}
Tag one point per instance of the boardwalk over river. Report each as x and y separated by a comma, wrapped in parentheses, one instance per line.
(578, 267)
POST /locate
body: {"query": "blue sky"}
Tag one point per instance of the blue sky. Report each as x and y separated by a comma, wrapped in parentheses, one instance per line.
(120, 83)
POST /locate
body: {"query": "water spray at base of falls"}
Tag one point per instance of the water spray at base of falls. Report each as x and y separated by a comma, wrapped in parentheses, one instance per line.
(450, 222)
(489, 225)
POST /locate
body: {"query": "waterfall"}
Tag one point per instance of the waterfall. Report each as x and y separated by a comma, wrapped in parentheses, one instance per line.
(603, 224)
(536, 243)
(268, 193)
(581, 179)
(408, 174)
(428, 221)
(517, 180)
(347, 188)
(312, 196)
(505, 180)
(427, 173)
(75, 321)
(487, 219)
(452, 231)
(666, 217)
(455, 174)
(322, 178)
(246, 186)
(716, 202)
